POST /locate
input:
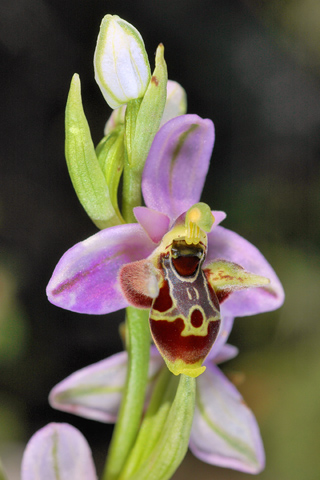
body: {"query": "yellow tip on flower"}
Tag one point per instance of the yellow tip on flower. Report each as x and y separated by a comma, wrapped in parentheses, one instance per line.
(199, 219)
(191, 370)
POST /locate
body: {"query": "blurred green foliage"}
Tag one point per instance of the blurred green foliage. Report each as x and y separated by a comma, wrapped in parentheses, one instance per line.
(12, 319)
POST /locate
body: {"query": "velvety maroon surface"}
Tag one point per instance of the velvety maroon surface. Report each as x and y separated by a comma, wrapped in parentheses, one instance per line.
(190, 349)
(186, 266)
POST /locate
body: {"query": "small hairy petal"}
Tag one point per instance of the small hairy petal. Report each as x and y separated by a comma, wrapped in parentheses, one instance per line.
(228, 245)
(224, 430)
(85, 279)
(218, 217)
(95, 391)
(58, 452)
(155, 224)
(180, 152)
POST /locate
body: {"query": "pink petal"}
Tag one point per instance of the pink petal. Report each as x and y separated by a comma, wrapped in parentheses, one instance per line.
(85, 279)
(224, 430)
(155, 224)
(228, 245)
(95, 391)
(177, 165)
(58, 452)
(218, 218)
(227, 352)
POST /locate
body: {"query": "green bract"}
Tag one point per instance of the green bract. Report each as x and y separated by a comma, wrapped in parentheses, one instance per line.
(150, 112)
(85, 171)
(110, 153)
(142, 121)
(164, 434)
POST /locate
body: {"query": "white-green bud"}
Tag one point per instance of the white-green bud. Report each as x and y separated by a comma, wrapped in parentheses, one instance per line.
(121, 64)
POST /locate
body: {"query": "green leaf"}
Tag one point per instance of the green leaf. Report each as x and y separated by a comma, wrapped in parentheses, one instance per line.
(84, 169)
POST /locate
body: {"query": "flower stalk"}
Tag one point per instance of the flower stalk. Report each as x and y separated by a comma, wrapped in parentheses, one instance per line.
(126, 429)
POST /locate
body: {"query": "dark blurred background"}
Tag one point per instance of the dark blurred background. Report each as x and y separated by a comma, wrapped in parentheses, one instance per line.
(253, 67)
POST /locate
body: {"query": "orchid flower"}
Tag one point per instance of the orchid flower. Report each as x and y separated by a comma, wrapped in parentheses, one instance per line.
(224, 430)
(176, 261)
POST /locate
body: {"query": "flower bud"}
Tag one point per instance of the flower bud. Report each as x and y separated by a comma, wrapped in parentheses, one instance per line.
(176, 103)
(115, 120)
(121, 64)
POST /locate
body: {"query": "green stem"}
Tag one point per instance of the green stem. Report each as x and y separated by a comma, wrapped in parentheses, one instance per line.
(131, 409)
